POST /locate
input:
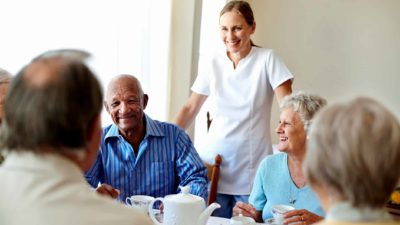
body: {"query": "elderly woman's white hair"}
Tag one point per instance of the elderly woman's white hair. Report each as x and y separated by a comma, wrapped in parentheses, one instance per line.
(354, 153)
(5, 76)
(305, 104)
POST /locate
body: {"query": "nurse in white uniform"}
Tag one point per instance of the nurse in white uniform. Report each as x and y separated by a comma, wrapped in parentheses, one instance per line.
(241, 83)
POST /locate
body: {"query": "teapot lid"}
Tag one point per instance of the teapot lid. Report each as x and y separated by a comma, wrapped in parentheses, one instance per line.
(184, 196)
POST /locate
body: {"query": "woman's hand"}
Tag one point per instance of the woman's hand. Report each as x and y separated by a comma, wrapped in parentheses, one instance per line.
(300, 217)
(247, 210)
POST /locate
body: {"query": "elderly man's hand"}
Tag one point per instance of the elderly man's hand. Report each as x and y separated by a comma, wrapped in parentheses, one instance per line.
(108, 190)
(301, 217)
(246, 210)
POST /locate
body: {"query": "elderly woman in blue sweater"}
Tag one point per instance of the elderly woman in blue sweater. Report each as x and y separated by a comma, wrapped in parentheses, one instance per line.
(279, 179)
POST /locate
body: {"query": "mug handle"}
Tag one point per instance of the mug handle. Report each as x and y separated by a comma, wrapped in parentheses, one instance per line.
(128, 201)
(151, 211)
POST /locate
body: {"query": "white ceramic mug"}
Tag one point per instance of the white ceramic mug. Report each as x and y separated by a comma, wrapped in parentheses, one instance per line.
(278, 211)
(140, 202)
(242, 220)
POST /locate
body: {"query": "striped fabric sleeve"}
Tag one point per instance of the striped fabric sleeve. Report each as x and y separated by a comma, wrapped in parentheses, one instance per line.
(93, 175)
(190, 168)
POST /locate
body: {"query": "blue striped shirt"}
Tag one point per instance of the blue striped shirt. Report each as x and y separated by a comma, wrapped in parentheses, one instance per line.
(166, 159)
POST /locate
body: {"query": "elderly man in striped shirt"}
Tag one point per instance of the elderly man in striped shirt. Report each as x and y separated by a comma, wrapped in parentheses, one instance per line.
(141, 156)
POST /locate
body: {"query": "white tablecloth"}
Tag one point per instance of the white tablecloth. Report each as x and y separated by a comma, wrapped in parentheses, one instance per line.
(212, 220)
(219, 221)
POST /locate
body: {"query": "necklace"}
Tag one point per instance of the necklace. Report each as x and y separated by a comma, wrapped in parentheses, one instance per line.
(292, 196)
(294, 191)
(293, 188)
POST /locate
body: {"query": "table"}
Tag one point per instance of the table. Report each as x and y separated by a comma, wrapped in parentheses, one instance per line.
(219, 221)
(212, 220)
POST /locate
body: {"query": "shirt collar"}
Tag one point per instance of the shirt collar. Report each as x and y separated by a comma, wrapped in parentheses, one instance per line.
(344, 211)
(152, 129)
(246, 57)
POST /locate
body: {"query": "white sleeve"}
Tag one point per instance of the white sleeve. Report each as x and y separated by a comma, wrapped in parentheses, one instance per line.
(202, 83)
(277, 70)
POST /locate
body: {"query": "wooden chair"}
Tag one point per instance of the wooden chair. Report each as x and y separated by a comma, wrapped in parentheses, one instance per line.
(209, 120)
(213, 177)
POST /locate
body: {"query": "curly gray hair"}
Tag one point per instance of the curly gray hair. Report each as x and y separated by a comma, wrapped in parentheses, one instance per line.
(306, 105)
(5, 76)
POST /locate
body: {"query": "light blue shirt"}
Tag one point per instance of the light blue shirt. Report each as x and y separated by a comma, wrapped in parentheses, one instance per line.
(166, 159)
(273, 185)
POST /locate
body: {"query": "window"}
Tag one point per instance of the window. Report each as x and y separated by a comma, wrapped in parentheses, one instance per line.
(124, 36)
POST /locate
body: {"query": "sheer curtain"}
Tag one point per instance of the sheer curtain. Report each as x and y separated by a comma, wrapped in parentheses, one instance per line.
(209, 43)
(124, 36)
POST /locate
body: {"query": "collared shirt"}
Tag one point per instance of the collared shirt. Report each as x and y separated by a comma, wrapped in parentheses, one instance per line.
(344, 211)
(166, 159)
(48, 189)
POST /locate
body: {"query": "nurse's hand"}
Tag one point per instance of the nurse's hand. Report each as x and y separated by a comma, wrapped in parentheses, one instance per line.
(247, 210)
(301, 217)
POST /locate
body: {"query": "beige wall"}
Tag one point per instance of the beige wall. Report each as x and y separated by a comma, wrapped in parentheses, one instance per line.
(336, 48)
(183, 17)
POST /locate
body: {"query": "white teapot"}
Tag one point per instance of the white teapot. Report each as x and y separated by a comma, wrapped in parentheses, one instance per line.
(183, 209)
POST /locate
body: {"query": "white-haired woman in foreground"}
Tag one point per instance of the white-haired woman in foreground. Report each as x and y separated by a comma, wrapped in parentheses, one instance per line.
(353, 161)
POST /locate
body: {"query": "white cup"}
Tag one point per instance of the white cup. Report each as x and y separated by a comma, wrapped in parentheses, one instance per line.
(242, 220)
(278, 211)
(140, 202)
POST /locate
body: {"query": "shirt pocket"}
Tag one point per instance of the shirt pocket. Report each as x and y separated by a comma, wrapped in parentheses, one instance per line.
(163, 178)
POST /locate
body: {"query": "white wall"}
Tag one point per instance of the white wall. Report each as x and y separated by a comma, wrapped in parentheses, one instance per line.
(336, 48)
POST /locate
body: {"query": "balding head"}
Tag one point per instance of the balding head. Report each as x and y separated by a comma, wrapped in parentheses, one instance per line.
(124, 79)
(52, 102)
(44, 72)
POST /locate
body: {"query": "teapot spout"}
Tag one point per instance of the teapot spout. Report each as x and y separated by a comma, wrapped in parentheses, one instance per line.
(202, 220)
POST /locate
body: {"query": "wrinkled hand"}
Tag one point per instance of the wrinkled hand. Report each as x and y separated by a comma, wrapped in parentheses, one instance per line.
(108, 190)
(246, 210)
(300, 217)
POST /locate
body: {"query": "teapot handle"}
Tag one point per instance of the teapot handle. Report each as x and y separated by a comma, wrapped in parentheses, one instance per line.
(151, 211)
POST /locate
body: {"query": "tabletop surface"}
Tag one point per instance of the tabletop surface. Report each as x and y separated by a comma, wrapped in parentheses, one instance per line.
(219, 221)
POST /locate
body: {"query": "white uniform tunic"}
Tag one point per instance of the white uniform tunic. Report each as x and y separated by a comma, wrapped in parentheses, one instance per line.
(241, 102)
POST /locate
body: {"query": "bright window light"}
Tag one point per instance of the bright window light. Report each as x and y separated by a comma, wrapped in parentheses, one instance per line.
(124, 36)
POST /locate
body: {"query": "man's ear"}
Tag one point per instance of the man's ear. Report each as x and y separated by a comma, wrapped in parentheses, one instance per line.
(106, 106)
(93, 137)
(145, 100)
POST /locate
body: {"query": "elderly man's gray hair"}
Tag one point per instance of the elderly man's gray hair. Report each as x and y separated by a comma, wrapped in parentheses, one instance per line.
(52, 102)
